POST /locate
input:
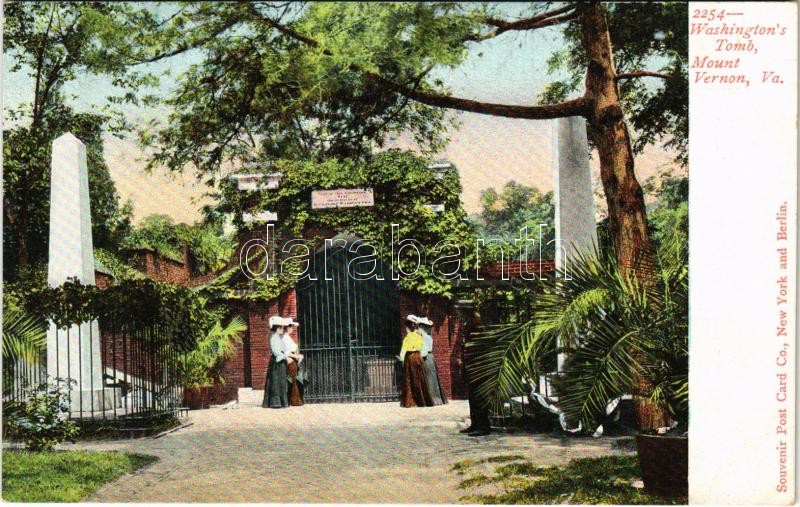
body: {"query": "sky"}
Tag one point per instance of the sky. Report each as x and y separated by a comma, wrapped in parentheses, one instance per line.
(488, 151)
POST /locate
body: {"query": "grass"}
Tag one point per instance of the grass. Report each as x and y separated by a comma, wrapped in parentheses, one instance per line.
(63, 476)
(604, 480)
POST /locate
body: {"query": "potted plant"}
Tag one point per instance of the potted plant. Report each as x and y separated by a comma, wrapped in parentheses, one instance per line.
(200, 372)
(622, 334)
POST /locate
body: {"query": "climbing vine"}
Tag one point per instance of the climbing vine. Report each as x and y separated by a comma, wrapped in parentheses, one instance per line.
(129, 304)
(404, 187)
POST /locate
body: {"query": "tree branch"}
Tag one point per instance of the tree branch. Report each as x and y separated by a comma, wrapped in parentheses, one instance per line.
(644, 73)
(575, 107)
(542, 20)
(37, 107)
(191, 45)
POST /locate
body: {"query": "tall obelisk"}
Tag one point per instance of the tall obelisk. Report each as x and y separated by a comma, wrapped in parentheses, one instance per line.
(576, 224)
(73, 352)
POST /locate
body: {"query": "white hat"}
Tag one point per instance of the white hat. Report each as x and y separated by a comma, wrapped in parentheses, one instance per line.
(276, 320)
(288, 321)
(412, 318)
(425, 321)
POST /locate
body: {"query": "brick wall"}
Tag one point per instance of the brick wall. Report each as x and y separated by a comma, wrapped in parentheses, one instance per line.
(125, 353)
(163, 269)
(249, 363)
(248, 366)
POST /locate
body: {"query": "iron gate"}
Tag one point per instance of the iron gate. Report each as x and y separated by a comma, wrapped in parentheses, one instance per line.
(349, 330)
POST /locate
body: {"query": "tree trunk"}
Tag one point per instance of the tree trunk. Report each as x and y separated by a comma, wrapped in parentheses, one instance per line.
(627, 217)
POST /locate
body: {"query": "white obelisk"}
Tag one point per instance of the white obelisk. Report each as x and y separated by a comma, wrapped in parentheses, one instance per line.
(576, 224)
(74, 352)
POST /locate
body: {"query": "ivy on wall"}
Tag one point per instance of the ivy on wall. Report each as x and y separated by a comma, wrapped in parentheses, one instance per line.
(129, 305)
(403, 186)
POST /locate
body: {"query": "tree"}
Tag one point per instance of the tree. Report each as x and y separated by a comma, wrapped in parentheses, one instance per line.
(503, 215)
(26, 183)
(669, 215)
(53, 43)
(339, 76)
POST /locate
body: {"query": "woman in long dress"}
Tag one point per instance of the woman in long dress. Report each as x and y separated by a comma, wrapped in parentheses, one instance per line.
(277, 388)
(293, 359)
(414, 391)
(429, 363)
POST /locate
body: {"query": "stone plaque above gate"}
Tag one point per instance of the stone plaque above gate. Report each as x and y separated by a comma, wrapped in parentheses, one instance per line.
(342, 198)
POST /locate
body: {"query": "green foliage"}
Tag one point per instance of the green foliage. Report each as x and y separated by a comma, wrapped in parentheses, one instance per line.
(402, 185)
(209, 248)
(200, 367)
(53, 43)
(504, 214)
(26, 181)
(669, 216)
(23, 337)
(614, 327)
(267, 96)
(129, 304)
(643, 36)
(157, 232)
(40, 419)
(32, 277)
(56, 41)
(63, 476)
(587, 481)
(120, 270)
(194, 326)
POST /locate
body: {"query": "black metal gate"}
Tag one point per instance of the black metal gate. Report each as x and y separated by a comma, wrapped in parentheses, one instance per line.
(349, 330)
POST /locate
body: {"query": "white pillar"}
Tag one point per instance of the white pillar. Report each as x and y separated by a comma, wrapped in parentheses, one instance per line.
(576, 227)
(73, 352)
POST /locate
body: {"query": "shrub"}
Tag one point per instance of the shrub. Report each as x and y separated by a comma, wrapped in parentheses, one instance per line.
(41, 420)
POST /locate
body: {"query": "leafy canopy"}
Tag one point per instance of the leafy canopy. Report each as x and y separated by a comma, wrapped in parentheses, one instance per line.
(337, 78)
(505, 213)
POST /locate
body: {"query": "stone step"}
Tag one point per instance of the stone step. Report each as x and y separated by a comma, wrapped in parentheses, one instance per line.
(250, 396)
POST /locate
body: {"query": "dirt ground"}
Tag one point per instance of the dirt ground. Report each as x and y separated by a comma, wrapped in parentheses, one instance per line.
(333, 453)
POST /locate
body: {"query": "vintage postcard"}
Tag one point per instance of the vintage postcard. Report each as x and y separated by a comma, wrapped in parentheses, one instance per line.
(399, 252)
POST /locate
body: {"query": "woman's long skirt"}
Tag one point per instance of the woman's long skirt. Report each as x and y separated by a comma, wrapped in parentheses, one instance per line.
(432, 377)
(277, 389)
(295, 393)
(414, 392)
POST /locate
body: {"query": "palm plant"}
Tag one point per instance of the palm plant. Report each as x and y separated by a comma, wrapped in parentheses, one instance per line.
(620, 334)
(23, 337)
(24, 340)
(199, 367)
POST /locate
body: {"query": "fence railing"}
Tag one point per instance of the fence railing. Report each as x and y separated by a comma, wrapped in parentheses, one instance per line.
(112, 372)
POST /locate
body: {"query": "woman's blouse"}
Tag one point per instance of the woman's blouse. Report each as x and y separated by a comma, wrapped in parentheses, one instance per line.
(289, 345)
(277, 346)
(427, 343)
(411, 343)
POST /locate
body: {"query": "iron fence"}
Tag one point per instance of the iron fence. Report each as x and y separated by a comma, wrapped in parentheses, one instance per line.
(113, 372)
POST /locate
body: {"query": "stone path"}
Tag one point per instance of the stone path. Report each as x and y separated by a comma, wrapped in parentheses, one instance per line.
(336, 453)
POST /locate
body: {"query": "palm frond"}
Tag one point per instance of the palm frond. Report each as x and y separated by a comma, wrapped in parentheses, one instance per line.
(503, 359)
(621, 334)
(601, 369)
(24, 337)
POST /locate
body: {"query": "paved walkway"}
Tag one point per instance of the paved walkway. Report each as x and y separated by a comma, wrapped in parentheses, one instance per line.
(343, 453)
